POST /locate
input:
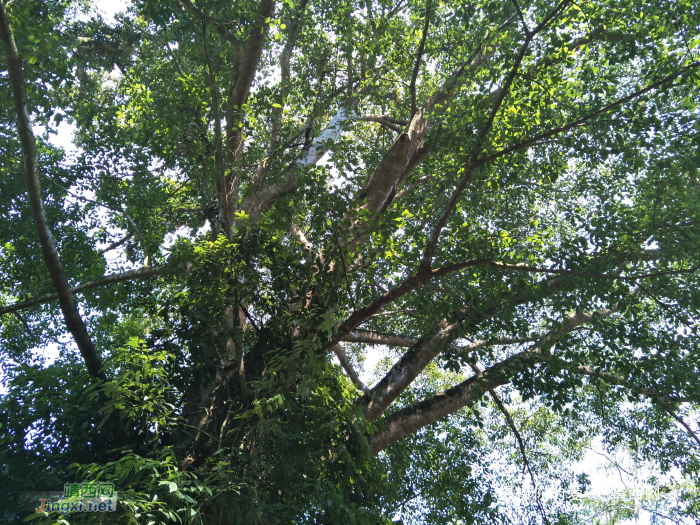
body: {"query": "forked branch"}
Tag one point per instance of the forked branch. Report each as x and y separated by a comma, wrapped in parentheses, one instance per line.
(409, 419)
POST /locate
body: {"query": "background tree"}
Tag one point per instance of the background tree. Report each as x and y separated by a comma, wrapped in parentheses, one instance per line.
(506, 194)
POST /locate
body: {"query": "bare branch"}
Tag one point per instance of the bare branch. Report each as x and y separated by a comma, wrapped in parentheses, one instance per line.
(378, 338)
(408, 367)
(381, 120)
(338, 350)
(409, 419)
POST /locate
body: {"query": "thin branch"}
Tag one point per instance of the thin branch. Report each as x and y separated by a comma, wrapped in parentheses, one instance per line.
(285, 75)
(613, 462)
(117, 244)
(411, 283)
(71, 315)
(427, 260)
(445, 270)
(163, 43)
(519, 439)
(409, 148)
(419, 58)
(141, 273)
(252, 321)
(685, 425)
(411, 187)
(528, 142)
(520, 15)
(668, 308)
(119, 210)
(216, 24)
(615, 380)
(473, 162)
(378, 338)
(345, 270)
(340, 353)
(394, 312)
(24, 322)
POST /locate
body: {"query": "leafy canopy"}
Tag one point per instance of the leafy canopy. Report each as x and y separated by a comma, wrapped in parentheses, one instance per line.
(503, 195)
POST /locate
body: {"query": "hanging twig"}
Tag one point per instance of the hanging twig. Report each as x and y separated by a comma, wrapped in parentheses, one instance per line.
(519, 439)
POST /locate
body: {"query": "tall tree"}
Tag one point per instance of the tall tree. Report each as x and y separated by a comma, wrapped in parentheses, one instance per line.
(504, 193)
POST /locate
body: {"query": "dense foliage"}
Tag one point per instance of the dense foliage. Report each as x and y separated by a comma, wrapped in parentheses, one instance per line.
(504, 195)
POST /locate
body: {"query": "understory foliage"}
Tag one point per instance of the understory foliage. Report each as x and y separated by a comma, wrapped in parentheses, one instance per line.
(500, 197)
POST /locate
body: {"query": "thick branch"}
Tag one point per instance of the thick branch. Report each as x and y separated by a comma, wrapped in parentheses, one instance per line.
(380, 119)
(218, 136)
(399, 160)
(416, 280)
(410, 419)
(307, 247)
(141, 273)
(262, 199)
(285, 75)
(427, 259)
(409, 366)
(116, 244)
(74, 322)
(414, 361)
(245, 67)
